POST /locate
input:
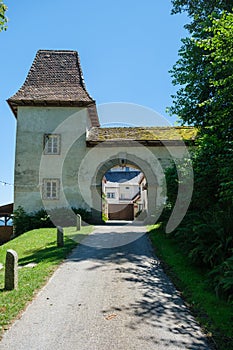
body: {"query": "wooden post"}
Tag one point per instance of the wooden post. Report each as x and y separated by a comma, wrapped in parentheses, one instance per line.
(79, 222)
(11, 270)
(60, 237)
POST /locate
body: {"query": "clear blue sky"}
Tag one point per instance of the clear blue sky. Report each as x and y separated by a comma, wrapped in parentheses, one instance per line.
(126, 49)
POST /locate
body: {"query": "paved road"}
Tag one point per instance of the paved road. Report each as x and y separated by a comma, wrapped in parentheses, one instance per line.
(107, 298)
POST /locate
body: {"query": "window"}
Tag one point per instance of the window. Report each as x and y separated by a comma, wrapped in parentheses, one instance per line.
(127, 188)
(51, 188)
(52, 143)
(110, 195)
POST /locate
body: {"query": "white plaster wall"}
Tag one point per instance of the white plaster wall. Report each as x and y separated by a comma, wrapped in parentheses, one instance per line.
(95, 159)
(114, 190)
(144, 199)
(77, 165)
(128, 191)
(153, 156)
(31, 166)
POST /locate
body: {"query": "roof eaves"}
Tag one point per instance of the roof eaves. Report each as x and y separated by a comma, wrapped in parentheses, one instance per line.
(45, 103)
(81, 75)
(127, 142)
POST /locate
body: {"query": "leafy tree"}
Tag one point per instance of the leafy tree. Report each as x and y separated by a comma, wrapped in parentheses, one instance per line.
(204, 74)
(205, 70)
(3, 18)
(199, 10)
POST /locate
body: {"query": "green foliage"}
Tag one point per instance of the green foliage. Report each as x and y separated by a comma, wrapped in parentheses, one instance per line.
(3, 18)
(199, 10)
(23, 221)
(206, 233)
(60, 217)
(104, 217)
(204, 74)
(222, 276)
(214, 314)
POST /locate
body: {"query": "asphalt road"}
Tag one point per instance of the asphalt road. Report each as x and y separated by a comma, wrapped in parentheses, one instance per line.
(107, 295)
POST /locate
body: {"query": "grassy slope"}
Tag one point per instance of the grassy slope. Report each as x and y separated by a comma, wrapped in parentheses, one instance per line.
(215, 315)
(37, 246)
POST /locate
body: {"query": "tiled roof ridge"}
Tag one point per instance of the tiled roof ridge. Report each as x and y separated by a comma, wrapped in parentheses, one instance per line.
(53, 80)
(78, 61)
(28, 75)
(82, 81)
(81, 75)
(55, 50)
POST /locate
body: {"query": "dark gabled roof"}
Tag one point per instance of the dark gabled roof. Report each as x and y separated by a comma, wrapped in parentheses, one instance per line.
(54, 79)
(121, 176)
(144, 135)
(6, 209)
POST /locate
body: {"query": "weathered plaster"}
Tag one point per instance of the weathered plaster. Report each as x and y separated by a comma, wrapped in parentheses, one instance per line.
(79, 168)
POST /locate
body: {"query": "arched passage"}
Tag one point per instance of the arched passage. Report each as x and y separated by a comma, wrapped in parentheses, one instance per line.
(124, 194)
(154, 206)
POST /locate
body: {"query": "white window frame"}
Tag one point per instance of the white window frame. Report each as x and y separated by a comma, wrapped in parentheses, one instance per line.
(111, 195)
(51, 189)
(52, 144)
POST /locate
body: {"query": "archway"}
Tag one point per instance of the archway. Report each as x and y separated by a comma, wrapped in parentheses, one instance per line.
(154, 196)
(124, 194)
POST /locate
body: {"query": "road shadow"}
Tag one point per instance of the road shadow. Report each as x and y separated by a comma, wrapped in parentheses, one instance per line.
(159, 306)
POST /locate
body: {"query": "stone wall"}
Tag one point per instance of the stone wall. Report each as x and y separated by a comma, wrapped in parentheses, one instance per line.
(78, 168)
(31, 165)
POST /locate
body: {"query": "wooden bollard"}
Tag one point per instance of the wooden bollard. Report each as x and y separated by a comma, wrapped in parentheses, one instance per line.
(60, 237)
(79, 222)
(11, 270)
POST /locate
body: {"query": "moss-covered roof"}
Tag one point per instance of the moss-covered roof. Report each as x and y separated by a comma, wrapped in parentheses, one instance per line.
(144, 135)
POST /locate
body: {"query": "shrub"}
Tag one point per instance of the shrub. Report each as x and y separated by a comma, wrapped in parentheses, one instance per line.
(64, 217)
(24, 222)
(222, 278)
(206, 232)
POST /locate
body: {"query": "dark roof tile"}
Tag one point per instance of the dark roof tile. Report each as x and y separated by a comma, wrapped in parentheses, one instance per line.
(121, 176)
(55, 78)
(6, 209)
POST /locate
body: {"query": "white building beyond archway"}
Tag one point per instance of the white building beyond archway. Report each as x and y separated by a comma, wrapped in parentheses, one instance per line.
(124, 193)
(62, 153)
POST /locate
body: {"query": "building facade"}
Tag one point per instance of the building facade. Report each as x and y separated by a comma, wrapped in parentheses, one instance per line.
(122, 192)
(62, 153)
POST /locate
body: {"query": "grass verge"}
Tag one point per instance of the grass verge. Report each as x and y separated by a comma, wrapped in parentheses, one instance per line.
(213, 314)
(38, 247)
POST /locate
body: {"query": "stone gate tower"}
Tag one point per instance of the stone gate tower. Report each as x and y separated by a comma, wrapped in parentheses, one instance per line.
(53, 91)
(62, 153)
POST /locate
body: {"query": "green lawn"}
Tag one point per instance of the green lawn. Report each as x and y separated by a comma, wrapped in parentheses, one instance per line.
(39, 247)
(215, 315)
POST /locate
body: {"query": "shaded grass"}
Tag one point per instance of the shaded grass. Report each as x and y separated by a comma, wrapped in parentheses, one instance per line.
(214, 315)
(40, 247)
